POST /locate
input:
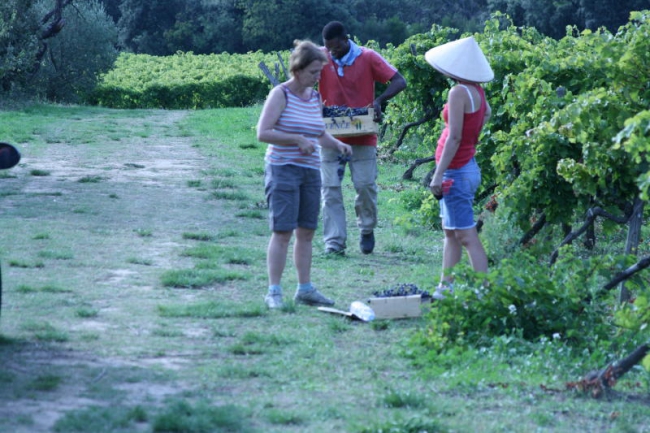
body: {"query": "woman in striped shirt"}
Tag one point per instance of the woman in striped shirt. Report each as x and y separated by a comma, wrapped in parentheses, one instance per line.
(291, 123)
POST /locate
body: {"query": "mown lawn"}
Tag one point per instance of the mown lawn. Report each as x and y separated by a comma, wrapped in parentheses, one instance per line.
(132, 246)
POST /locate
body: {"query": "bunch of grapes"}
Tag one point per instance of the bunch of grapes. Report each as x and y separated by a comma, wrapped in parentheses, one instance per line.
(402, 290)
(343, 111)
(492, 204)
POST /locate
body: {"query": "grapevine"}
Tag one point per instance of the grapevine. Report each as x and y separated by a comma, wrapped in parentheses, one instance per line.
(183, 81)
(560, 138)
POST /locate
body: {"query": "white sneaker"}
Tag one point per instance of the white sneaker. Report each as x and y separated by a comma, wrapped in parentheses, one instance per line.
(273, 300)
(441, 290)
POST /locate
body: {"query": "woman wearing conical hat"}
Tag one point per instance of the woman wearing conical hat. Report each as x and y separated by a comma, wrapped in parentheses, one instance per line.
(457, 175)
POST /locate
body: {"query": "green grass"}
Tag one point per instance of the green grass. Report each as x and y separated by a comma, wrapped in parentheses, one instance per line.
(197, 278)
(251, 213)
(398, 399)
(56, 255)
(146, 313)
(86, 313)
(230, 195)
(46, 332)
(26, 264)
(284, 417)
(49, 288)
(101, 420)
(207, 237)
(183, 417)
(139, 261)
(219, 183)
(224, 254)
(41, 173)
(144, 233)
(47, 382)
(90, 179)
(211, 310)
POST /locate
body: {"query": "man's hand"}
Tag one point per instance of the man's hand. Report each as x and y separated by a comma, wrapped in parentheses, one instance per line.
(378, 116)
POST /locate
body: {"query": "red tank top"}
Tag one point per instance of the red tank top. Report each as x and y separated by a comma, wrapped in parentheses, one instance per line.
(472, 125)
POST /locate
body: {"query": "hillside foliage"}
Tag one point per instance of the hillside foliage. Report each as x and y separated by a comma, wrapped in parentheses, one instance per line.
(32, 32)
(239, 26)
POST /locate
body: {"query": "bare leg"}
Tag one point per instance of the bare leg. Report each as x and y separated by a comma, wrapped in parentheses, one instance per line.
(451, 254)
(302, 254)
(470, 240)
(276, 256)
(455, 240)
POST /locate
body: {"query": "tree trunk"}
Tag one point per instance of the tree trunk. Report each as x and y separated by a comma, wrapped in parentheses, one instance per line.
(53, 23)
(408, 174)
(536, 228)
(622, 276)
(590, 237)
(429, 115)
(632, 243)
(598, 381)
(592, 214)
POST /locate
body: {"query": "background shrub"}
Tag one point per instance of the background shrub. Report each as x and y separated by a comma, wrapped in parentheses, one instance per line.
(84, 49)
(18, 43)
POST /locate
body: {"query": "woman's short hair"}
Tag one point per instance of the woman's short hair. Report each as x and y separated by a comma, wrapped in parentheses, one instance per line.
(303, 54)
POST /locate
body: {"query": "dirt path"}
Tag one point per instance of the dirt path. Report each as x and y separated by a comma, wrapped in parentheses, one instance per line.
(109, 218)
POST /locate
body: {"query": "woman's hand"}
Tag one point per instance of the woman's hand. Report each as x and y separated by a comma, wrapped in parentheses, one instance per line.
(436, 186)
(344, 148)
(328, 141)
(306, 146)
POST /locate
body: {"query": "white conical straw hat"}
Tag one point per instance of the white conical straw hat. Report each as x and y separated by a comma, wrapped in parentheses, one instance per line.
(462, 59)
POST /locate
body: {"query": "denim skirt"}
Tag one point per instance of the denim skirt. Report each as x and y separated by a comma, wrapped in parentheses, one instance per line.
(456, 206)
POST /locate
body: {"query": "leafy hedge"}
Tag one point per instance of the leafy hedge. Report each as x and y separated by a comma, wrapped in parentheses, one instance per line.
(183, 81)
(527, 300)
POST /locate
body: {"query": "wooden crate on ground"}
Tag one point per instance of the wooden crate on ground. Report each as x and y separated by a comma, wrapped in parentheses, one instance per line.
(350, 126)
(396, 307)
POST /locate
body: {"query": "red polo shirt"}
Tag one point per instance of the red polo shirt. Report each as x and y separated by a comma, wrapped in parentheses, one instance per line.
(356, 88)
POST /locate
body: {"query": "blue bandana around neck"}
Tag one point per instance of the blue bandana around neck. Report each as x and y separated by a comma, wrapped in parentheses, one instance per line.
(349, 58)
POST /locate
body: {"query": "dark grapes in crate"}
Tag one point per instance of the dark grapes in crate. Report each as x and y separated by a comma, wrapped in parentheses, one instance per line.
(402, 290)
(343, 111)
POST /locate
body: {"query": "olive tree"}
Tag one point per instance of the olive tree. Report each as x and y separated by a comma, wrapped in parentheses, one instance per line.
(19, 42)
(85, 48)
(54, 48)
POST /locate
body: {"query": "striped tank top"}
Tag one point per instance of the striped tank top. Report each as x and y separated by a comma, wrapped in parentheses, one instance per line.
(300, 116)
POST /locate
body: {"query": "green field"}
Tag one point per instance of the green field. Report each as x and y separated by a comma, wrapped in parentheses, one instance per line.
(132, 246)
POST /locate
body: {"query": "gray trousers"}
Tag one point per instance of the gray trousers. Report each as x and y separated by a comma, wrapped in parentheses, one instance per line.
(363, 171)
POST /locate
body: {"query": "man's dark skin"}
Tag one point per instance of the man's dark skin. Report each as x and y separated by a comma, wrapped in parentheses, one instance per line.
(339, 47)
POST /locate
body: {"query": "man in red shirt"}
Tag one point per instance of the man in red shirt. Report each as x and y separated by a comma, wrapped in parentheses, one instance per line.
(348, 79)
